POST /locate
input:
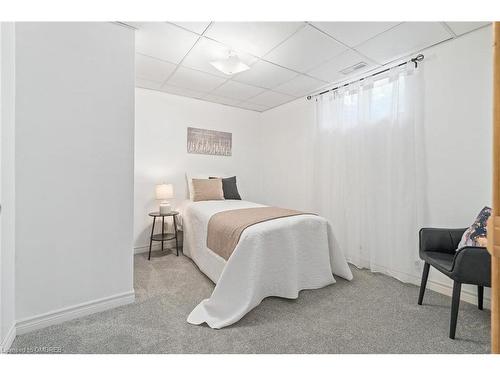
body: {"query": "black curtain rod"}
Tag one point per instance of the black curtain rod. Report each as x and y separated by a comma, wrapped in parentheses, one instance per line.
(415, 60)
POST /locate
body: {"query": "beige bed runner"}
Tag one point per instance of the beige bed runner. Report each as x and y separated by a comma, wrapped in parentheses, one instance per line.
(225, 228)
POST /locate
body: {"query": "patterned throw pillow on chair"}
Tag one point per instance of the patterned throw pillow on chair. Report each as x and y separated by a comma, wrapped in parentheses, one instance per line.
(476, 234)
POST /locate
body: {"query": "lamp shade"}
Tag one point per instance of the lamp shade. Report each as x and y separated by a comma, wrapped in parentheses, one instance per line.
(164, 191)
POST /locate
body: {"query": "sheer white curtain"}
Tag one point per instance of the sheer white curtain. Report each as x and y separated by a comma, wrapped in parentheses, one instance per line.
(368, 170)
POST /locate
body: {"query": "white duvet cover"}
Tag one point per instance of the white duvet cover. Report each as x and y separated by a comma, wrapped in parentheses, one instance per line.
(275, 258)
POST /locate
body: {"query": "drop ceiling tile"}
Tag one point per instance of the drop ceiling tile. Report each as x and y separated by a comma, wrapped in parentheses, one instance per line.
(460, 28)
(182, 91)
(197, 27)
(264, 74)
(256, 38)
(194, 80)
(237, 90)
(404, 39)
(136, 25)
(300, 86)
(331, 70)
(163, 41)
(271, 99)
(305, 50)
(354, 33)
(145, 84)
(253, 106)
(220, 100)
(207, 50)
(152, 69)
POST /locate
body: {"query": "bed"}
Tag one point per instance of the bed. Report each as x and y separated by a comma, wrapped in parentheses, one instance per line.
(278, 257)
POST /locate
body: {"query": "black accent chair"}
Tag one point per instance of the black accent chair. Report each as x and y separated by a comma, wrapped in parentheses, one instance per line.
(468, 265)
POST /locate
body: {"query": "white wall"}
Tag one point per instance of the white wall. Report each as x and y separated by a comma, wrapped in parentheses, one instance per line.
(74, 169)
(458, 118)
(7, 185)
(160, 150)
(287, 144)
(458, 125)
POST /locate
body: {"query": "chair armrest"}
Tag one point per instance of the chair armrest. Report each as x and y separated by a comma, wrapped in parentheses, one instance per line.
(440, 239)
(472, 265)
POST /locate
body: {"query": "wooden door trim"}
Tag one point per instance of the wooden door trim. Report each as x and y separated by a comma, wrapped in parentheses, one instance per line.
(494, 222)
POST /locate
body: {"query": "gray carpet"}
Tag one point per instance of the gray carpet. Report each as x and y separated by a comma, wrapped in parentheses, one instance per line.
(371, 314)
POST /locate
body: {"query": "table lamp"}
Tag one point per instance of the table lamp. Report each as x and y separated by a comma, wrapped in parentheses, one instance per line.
(164, 192)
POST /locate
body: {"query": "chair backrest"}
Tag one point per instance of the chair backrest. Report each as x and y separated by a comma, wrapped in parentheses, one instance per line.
(442, 240)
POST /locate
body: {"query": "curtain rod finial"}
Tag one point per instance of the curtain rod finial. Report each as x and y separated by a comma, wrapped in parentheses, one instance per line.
(417, 59)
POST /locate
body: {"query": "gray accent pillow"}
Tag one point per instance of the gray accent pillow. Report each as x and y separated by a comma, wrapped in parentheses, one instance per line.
(229, 187)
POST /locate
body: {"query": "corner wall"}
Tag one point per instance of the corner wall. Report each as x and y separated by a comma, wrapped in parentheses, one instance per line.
(74, 170)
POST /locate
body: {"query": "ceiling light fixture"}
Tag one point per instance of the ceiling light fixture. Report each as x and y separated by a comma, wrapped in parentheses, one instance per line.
(231, 65)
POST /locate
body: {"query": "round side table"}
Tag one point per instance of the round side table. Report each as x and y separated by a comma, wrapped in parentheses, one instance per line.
(163, 236)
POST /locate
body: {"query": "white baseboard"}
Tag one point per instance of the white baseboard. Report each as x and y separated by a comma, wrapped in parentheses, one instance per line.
(145, 248)
(91, 307)
(73, 312)
(465, 296)
(435, 286)
(156, 246)
(8, 340)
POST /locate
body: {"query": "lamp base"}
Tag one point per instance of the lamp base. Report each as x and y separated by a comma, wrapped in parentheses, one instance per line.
(165, 208)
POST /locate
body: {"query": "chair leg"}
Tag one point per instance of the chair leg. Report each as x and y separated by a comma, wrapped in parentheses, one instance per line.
(455, 302)
(480, 294)
(423, 283)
